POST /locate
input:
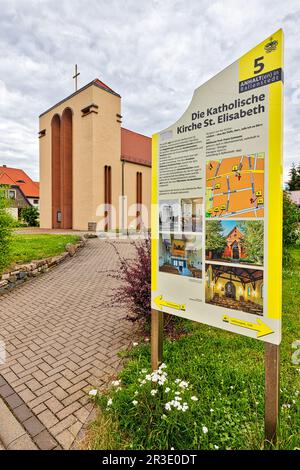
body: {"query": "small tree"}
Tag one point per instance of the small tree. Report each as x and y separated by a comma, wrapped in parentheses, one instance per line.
(6, 225)
(291, 233)
(30, 215)
(215, 240)
(294, 178)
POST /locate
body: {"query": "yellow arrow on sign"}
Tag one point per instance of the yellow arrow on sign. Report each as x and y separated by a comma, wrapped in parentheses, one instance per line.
(160, 303)
(261, 328)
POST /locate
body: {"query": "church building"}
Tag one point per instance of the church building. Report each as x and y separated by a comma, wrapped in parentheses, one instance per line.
(90, 166)
(234, 248)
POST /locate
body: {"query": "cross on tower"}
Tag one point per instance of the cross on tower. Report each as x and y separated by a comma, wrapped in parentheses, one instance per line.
(75, 77)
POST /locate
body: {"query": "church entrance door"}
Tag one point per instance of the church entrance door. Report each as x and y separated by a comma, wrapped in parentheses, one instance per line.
(235, 251)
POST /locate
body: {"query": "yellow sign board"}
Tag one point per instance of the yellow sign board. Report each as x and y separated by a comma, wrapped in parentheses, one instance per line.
(217, 200)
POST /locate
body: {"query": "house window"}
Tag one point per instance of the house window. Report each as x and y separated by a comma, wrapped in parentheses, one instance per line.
(35, 201)
(139, 192)
(107, 196)
(12, 193)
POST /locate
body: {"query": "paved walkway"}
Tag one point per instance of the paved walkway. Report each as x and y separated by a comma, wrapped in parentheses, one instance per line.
(59, 344)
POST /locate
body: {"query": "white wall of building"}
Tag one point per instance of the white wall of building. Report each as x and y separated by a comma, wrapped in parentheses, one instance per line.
(34, 201)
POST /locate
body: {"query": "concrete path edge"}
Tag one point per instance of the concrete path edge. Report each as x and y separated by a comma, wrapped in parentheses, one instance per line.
(12, 434)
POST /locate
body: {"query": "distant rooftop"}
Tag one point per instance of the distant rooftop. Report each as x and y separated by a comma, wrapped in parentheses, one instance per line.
(18, 177)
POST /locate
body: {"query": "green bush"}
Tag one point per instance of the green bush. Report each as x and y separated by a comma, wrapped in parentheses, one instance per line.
(30, 215)
(6, 225)
(291, 232)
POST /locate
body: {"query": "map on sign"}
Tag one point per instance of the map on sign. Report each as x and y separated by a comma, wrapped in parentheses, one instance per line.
(235, 186)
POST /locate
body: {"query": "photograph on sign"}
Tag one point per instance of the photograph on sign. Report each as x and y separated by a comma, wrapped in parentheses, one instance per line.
(235, 241)
(216, 235)
(181, 254)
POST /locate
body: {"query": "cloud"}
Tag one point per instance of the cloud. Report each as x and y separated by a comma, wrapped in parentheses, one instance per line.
(153, 53)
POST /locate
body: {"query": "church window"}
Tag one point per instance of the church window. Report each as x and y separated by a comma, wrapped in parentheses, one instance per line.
(139, 190)
(107, 194)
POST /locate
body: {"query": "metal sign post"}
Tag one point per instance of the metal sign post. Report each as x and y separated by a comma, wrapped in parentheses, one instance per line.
(272, 389)
(157, 321)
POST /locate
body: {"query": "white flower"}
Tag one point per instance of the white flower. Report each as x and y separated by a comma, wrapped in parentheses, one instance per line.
(167, 406)
(211, 410)
(183, 384)
(162, 366)
(144, 371)
(163, 417)
(135, 402)
(136, 393)
(147, 340)
(153, 392)
(116, 383)
(194, 398)
(135, 344)
(93, 392)
(109, 402)
(177, 381)
(204, 429)
(177, 393)
(167, 389)
(172, 448)
(216, 447)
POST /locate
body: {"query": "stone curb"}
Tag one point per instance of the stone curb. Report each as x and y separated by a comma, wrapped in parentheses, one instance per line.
(12, 435)
(24, 272)
(19, 427)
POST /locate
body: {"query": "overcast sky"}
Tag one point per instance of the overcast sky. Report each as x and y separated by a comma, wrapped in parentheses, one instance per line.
(154, 53)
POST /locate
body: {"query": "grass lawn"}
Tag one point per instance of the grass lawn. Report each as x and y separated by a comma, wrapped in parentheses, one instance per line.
(26, 248)
(226, 375)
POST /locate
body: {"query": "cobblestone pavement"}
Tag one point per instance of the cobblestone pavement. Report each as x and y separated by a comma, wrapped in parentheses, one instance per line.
(60, 343)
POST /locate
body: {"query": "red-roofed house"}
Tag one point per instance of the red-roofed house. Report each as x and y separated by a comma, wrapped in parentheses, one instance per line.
(21, 189)
(90, 166)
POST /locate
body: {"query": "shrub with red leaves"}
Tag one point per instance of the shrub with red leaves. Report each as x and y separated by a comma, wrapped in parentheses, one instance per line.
(134, 291)
(135, 277)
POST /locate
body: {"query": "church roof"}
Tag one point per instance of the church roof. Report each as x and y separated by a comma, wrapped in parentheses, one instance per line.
(95, 82)
(135, 148)
(101, 84)
(17, 177)
(238, 232)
